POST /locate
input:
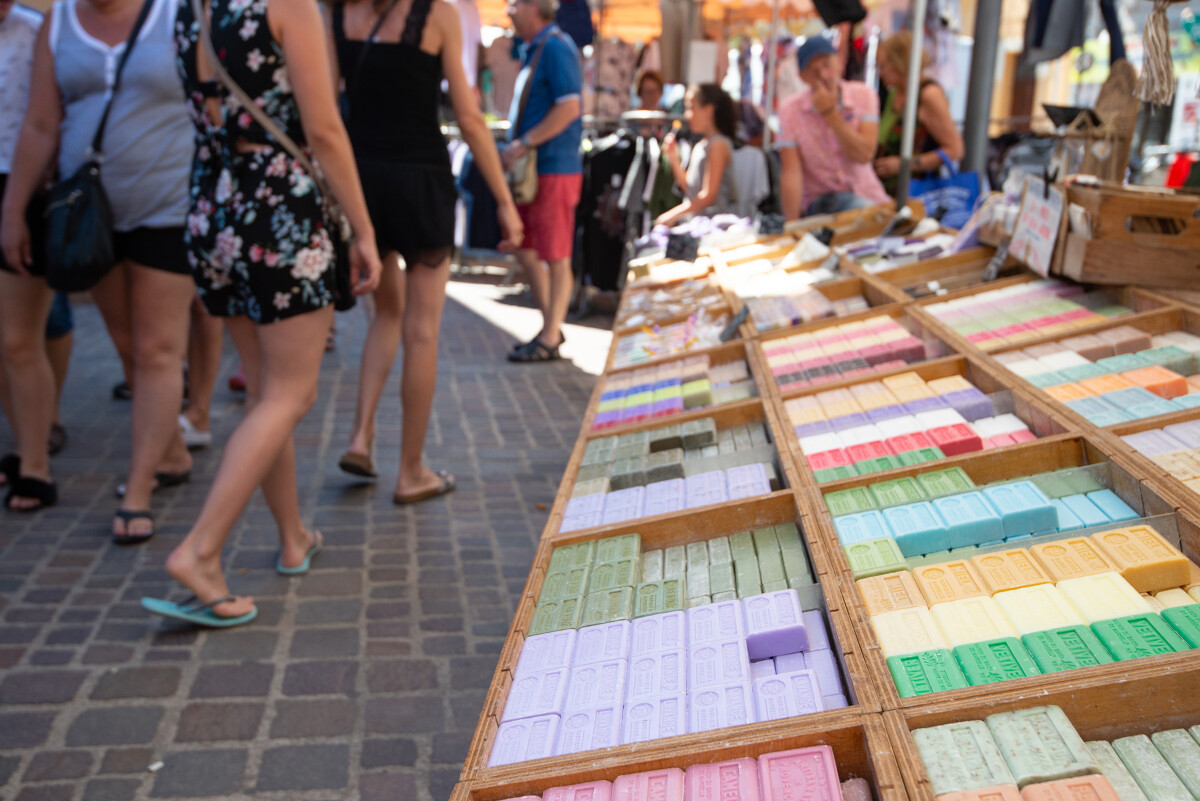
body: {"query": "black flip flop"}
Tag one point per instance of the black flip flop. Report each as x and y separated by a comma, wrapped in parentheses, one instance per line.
(523, 345)
(10, 467)
(44, 492)
(162, 481)
(129, 515)
(535, 351)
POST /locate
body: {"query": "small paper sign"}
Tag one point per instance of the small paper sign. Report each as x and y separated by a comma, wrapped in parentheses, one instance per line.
(1037, 225)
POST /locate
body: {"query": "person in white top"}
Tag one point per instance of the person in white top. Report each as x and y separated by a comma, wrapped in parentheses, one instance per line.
(472, 39)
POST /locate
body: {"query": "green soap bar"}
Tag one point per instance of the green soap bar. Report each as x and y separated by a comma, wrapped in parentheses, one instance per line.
(699, 433)
(567, 584)
(1186, 622)
(874, 558)
(675, 562)
(652, 566)
(1113, 311)
(666, 438)
(697, 555)
(926, 672)
(653, 597)
(604, 445)
(774, 586)
(1137, 636)
(945, 482)
(592, 472)
(770, 567)
(1050, 379)
(633, 438)
(1172, 357)
(632, 451)
(639, 399)
(995, 660)
(725, 445)
(719, 551)
(1122, 362)
(1113, 769)
(1080, 482)
(666, 393)
(849, 501)
(1080, 372)
(664, 466)
(1065, 648)
(1040, 745)
(1182, 754)
(556, 616)
(765, 540)
(724, 596)
(749, 581)
(709, 450)
(834, 473)
(565, 557)
(921, 456)
(796, 566)
(788, 536)
(1150, 770)
(612, 549)
(876, 465)
(700, 600)
(596, 457)
(697, 581)
(1052, 485)
(721, 578)
(611, 575)
(697, 399)
(758, 435)
(607, 606)
(897, 491)
(628, 473)
(741, 438)
(741, 544)
(961, 756)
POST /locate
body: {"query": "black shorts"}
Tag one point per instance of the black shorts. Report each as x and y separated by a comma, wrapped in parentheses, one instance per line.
(159, 248)
(33, 218)
(412, 209)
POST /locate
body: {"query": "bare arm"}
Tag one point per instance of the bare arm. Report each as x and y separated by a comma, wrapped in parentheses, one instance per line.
(791, 182)
(335, 72)
(562, 114)
(858, 142)
(714, 173)
(934, 113)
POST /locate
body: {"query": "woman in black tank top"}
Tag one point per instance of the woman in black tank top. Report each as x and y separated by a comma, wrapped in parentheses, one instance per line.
(392, 86)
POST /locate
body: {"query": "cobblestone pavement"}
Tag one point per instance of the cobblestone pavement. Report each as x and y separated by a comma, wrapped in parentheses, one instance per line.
(363, 679)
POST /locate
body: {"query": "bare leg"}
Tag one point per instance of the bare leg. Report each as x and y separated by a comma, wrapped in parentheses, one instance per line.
(424, 300)
(379, 352)
(58, 350)
(290, 354)
(539, 281)
(24, 308)
(112, 299)
(204, 362)
(562, 284)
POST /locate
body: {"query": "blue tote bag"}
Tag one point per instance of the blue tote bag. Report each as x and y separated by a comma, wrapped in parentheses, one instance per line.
(954, 194)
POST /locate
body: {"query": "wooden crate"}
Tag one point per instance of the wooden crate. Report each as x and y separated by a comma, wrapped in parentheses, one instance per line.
(953, 272)
(856, 224)
(881, 299)
(716, 353)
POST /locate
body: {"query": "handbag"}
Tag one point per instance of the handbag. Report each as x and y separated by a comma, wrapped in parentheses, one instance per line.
(523, 175)
(953, 196)
(79, 247)
(340, 232)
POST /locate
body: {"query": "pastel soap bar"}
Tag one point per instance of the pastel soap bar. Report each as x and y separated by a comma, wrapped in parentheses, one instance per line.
(1009, 570)
(721, 707)
(961, 756)
(1144, 558)
(536, 694)
(591, 791)
(657, 633)
(665, 784)
(723, 781)
(1071, 558)
(917, 529)
(1103, 596)
(655, 719)
(1182, 754)
(1003, 792)
(788, 695)
(1113, 769)
(524, 739)
(546, 652)
(598, 685)
(1022, 508)
(721, 663)
(715, 623)
(890, 592)
(1038, 608)
(600, 643)
(656, 675)
(589, 729)
(907, 631)
(1150, 769)
(874, 557)
(972, 620)
(1039, 744)
(948, 581)
(774, 624)
(861, 527)
(1078, 788)
(969, 519)
(805, 774)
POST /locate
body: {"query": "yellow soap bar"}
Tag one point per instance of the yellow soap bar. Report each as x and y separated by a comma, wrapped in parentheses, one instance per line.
(951, 383)
(1174, 597)
(972, 620)
(1071, 558)
(1103, 597)
(890, 592)
(1144, 558)
(1195, 593)
(948, 581)
(907, 631)
(1155, 604)
(840, 408)
(1009, 570)
(909, 379)
(913, 393)
(1038, 608)
(876, 400)
(1193, 576)
(812, 414)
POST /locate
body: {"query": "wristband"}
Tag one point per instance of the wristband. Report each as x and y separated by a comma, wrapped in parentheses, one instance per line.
(524, 140)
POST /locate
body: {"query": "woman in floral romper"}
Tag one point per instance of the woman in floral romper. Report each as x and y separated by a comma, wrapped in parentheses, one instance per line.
(262, 257)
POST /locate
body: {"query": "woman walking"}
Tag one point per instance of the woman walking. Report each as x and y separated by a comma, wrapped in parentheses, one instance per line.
(393, 56)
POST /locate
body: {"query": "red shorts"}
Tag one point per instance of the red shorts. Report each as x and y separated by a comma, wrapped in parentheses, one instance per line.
(550, 219)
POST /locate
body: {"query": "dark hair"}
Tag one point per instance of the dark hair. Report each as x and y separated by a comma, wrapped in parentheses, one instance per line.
(724, 111)
(650, 75)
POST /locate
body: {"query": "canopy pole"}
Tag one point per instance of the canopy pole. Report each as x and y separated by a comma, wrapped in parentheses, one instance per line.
(911, 97)
(979, 85)
(771, 57)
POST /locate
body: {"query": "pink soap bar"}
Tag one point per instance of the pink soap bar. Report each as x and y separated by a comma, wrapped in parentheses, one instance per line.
(1022, 435)
(592, 791)
(721, 707)
(655, 675)
(654, 785)
(664, 497)
(546, 652)
(594, 686)
(656, 633)
(788, 695)
(824, 663)
(762, 667)
(589, 729)
(623, 505)
(953, 440)
(856, 790)
(536, 694)
(723, 781)
(805, 774)
(525, 739)
(827, 459)
(715, 623)
(599, 643)
(867, 450)
(818, 634)
(655, 719)
(774, 624)
(710, 665)
(525, 798)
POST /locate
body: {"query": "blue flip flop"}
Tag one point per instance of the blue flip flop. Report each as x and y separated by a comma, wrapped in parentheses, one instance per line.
(303, 567)
(197, 613)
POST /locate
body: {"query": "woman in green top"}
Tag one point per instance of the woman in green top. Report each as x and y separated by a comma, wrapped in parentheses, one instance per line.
(936, 134)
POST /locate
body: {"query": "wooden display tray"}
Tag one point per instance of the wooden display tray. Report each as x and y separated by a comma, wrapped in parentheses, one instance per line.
(856, 224)
(956, 271)
(881, 299)
(717, 355)
(860, 744)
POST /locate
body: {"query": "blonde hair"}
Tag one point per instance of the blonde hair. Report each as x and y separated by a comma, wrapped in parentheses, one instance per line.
(896, 50)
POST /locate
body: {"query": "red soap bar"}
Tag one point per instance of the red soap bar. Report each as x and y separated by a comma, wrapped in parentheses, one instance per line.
(908, 442)
(793, 385)
(1009, 330)
(998, 441)
(955, 439)
(1024, 435)
(981, 336)
(867, 450)
(828, 459)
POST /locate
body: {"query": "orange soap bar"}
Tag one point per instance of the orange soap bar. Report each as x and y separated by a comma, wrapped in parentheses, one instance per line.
(1009, 570)
(1068, 392)
(949, 581)
(1194, 380)
(1105, 383)
(1081, 788)
(1193, 576)
(1144, 558)
(909, 379)
(890, 592)
(1071, 558)
(1003, 792)
(1159, 380)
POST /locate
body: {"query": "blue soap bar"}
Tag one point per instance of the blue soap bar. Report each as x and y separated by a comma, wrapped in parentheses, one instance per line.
(1154, 408)
(969, 519)
(917, 529)
(1187, 401)
(1115, 417)
(1092, 405)
(667, 383)
(861, 527)
(612, 394)
(1067, 520)
(1023, 508)
(1130, 396)
(647, 387)
(1117, 510)
(1079, 372)
(1018, 538)
(1089, 514)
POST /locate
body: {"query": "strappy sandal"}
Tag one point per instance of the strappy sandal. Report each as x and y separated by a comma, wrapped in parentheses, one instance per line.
(357, 464)
(198, 614)
(446, 485)
(535, 351)
(523, 345)
(128, 516)
(162, 481)
(44, 492)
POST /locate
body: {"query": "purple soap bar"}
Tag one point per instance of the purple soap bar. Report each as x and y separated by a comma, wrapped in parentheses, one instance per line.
(812, 429)
(589, 729)
(664, 497)
(658, 633)
(715, 623)
(597, 685)
(623, 505)
(546, 652)
(536, 694)
(630, 413)
(824, 663)
(712, 665)
(787, 696)
(853, 420)
(599, 643)
(747, 481)
(581, 521)
(583, 505)
(970, 403)
(885, 413)
(834, 702)
(607, 418)
(1155, 443)
(655, 785)
(923, 405)
(525, 739)
(721, 707)
(592, 791)
(818, 634)
(774, 624)
(787, 663)
(655, 675)
(736, 780)
(667, 406)
(655, 719)
(706, 488)
(761, 668)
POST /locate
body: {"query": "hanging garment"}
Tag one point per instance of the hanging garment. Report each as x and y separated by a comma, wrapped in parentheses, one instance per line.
(751, 178)
(614, 77)
(575, 18)
(835, 12)
(498, 58)
(599, 216)
(1052, 29)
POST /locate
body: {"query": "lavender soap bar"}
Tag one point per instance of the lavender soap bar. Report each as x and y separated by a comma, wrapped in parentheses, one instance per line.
(774, 624)
(787, 696)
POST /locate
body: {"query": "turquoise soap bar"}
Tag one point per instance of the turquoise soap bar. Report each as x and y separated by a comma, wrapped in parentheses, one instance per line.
(1023, 509)
(1187, 401)
(861, 527)
(1065, 648)
(897, 491)
(1116, 509)
(1067, 520)
(1078, 372)
(995, 660)
(1151, 408)
(1040, 745)
(1150, 769)
(1043, 380)
(1171, 357)
(926, 672)
(961, 756)
(849, 501)
(969, 520)
(1089, 514)
(917, 529)
(1185, 620)
(1138, 636)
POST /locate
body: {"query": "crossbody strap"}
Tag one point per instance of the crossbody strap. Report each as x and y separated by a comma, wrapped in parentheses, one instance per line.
(533, 65)
(96, 152)
(352, 79)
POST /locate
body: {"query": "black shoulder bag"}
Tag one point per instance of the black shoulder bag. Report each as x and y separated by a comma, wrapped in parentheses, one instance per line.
(79, 218)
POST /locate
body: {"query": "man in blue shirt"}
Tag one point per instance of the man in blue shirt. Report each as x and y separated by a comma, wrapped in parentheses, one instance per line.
(551, 123)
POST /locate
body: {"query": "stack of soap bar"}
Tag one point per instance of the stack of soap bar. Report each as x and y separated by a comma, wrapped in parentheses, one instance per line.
(831, 354)
(524, 740)
(795, 307)
(676, 338)
(960, 757)
(661, 391)
(1175, 448)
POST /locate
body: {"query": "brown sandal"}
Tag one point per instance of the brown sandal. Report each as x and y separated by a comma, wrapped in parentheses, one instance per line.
(447, 485)
(357, 464)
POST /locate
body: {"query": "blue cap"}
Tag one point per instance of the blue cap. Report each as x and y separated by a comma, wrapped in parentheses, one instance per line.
(813, 46)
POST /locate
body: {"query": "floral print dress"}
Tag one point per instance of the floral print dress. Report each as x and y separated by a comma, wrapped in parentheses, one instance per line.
(258, 240)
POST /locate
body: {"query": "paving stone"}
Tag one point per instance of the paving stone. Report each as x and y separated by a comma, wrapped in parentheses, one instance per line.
(126, 760)
(130, 725)
(409, 715)
(24, 729)
(442, 781)
(324, 718)
(41, 687)
(240, 646)
(401, 675)
(324, 643)
(111, 789)
(51, 657)
(57, 765)
(305, 767)
(332, 583)
(387, 786)
(46, 792)
(107, 654)
(245, 680)
(212, 722)
(390, 752)
(320, 678)
(198, 773)
(138, 682)
(450, 747)
(345, 610)
(471, 671)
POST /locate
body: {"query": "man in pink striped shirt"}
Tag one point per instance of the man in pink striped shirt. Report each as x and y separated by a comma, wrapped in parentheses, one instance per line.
(827, 139)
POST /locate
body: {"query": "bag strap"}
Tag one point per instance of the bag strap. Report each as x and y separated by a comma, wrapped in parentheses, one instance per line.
(533, 65)
(947, 162)
(96, 152)
(352, 80)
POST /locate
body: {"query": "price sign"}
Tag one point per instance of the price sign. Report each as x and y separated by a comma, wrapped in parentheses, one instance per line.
(1037, 225)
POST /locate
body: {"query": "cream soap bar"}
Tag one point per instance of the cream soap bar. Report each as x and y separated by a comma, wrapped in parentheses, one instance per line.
(1104, 596)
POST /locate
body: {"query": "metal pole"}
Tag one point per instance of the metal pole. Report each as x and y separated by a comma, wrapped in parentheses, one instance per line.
(979, 85)
(911, 96)
(771, 57)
